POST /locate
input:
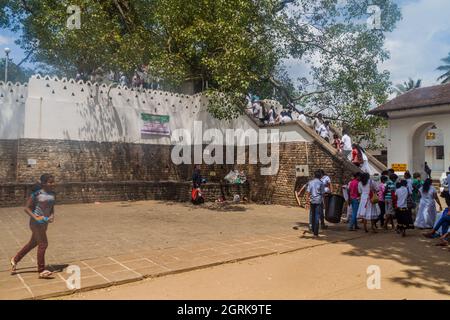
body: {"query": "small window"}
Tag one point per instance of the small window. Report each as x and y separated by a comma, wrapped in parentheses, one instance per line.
(440, 153)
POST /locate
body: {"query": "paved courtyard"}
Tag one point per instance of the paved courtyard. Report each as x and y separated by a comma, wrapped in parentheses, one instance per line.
(115, 243)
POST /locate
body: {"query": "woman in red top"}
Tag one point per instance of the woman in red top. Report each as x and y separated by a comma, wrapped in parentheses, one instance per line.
(356, 155)
(337, 143)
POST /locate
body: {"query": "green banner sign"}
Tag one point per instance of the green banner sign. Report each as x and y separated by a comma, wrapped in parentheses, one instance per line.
(155, 124)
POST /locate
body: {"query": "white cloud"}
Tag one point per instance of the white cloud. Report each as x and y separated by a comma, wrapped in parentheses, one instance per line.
(419, 42)
(417, 45)
(4, 40)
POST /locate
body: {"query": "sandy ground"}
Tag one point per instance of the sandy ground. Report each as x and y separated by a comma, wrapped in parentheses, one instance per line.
(411, 268)
(87, 231)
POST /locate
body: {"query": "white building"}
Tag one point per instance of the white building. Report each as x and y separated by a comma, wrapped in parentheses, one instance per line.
(418, 130)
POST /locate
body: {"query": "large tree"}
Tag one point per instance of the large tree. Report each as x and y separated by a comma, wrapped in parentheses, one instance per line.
(231, 46)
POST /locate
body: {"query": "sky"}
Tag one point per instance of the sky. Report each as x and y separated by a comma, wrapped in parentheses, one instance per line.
(420, 41)
(416, 46)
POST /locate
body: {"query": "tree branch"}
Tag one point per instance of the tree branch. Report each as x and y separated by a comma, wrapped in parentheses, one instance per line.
(122, 14)
(291, 101)
(309, 94)
(288, 96)
(282, 5)
(26, 58)
(26, 7)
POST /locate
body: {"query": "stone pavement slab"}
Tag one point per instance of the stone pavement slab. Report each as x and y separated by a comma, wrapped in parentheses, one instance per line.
(114, 244)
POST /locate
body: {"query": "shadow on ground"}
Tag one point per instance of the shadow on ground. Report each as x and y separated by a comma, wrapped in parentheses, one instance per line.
(433, 267)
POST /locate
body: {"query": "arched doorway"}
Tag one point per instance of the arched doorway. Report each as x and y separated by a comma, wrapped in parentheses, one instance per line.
(427, 146)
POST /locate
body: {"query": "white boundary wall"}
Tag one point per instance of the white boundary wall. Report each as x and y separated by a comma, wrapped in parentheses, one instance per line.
(12, 110)
(62, 109)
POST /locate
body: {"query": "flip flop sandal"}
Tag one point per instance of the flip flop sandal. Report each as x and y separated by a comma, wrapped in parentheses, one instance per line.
(46, 275)
(13, 265)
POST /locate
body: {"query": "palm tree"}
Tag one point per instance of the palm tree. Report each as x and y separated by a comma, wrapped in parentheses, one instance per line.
(446, 67)
(407, 86)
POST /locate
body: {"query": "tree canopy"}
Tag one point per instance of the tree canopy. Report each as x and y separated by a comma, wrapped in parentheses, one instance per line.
(232, 47)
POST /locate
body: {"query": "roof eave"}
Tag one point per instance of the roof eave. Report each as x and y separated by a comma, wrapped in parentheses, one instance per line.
(379, 113)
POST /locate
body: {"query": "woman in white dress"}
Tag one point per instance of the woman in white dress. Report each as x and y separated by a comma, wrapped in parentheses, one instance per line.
(271, 116)
(365, 165)
(367, 211)
(426, 216)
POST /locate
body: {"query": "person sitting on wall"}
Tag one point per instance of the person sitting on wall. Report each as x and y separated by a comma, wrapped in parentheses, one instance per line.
(302, 117)
(271, 115)
(258, 110)
(197, 180)
(285, 117)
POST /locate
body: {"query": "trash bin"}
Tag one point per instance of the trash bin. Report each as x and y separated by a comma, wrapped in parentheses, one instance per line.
(333, 211)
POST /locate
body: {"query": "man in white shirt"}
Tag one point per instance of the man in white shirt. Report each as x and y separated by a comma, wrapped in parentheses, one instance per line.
(123, 80)
(258, 110)
(285, 117)
(302, 117)
(326, 180)
(402, 196)
(403, 213)
(318, 122)
(347, 144)
(324, 131)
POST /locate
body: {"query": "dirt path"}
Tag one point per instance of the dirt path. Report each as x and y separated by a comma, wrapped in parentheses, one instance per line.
(411, 268)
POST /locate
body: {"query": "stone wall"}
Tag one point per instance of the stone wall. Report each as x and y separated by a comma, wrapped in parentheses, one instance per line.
(279, 189)
(89, 134)
(94, 171)
(75, 161)
(8, 161)
(89, 192)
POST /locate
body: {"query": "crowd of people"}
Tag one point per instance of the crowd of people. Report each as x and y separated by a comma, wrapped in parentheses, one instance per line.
(140, 78)
(384, 201)
(267, 114)
(397, 203)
